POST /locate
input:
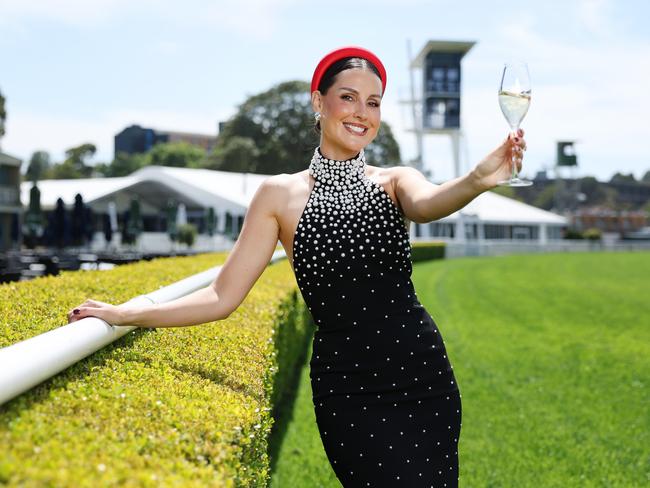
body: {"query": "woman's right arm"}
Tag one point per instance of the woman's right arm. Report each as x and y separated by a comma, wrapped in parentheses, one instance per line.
(245, 263)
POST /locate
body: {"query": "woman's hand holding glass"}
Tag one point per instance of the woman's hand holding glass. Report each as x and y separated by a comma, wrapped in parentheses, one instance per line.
(497, 166)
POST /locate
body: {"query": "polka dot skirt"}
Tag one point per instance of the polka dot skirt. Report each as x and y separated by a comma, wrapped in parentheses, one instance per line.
(386, 400)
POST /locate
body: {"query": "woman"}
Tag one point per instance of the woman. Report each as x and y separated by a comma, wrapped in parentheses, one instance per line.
(386, 400)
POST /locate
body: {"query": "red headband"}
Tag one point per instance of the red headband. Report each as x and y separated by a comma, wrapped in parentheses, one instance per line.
(346, 52)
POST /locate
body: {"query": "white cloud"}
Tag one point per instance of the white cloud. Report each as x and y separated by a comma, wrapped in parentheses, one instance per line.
(257, 19)
(595, 15)
(254, 18)
(168, 47)
(72, 12)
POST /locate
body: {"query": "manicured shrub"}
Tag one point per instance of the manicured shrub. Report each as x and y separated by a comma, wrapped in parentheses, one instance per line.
(188, 406)
(593, 234)
(187, 234)
(423, 251)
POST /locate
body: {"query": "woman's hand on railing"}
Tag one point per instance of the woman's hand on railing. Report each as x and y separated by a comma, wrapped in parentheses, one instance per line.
(112, 314)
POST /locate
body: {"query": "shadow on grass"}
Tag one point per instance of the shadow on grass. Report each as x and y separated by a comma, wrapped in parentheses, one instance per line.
(283, 412)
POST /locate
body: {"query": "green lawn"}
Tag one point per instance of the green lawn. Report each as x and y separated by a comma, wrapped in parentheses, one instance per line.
(551, 354)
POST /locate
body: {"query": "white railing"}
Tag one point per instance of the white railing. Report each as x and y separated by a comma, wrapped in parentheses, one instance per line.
(27, 363)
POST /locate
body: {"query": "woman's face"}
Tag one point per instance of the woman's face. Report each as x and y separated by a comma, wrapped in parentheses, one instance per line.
(350, 113)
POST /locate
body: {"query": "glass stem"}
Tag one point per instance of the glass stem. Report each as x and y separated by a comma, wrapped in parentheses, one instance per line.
(514, 174)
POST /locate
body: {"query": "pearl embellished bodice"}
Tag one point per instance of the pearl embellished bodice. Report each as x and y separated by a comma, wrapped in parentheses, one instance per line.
(350, 244)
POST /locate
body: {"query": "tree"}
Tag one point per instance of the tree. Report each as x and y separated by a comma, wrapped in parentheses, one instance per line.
(384, 150)
(280, 121)
(593, 190)
(646, 177)
(187, 234)
(236, 154)
(75, 165)
(3, 115)
(39, 166)
(546, 198)
(179, 154)
(123, 165)
(621, 177)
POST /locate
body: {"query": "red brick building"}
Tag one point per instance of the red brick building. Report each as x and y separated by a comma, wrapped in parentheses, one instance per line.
(608, 220)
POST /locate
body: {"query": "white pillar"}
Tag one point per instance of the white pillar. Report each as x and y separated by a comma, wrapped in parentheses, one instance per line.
(460, 228)
(543, 234)
(221, 225)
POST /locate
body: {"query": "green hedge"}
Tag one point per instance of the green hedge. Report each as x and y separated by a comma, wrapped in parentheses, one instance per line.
(424, 251)
(188, 406)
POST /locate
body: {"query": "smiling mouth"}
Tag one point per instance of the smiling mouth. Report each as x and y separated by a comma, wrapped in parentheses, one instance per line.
(355, 129)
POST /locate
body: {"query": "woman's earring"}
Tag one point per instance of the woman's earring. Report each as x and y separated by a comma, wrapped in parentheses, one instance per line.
(317, 115)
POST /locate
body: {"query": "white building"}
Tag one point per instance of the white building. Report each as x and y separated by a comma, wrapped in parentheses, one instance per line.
(494, 224)
(489, 218)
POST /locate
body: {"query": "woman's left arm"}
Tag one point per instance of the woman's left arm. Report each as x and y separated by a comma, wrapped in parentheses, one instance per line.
(423, 201)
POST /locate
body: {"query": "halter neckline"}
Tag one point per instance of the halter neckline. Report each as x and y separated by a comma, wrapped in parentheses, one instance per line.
(326, 169)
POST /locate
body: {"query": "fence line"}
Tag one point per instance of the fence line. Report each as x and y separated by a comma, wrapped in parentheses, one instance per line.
(501, 247)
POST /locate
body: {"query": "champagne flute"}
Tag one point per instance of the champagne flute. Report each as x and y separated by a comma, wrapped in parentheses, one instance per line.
(514, 99)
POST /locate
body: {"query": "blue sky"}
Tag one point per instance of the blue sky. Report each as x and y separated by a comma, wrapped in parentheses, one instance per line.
(75, 71)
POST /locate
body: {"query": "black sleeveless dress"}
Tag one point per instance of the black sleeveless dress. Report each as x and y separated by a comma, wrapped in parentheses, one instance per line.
(386, 400)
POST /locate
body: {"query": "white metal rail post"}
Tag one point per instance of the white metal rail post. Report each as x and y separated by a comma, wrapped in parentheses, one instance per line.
(27, 363)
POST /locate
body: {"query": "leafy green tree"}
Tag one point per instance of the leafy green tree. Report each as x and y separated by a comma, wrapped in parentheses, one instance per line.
(546, 198)
(75, 164)
(39, 166)
(384, 150)
(280, 121)
(236, 154)
(179, 154)
(622, 177)
(123, 165)
(187, 234)
(593, 190)
(593, 234)
(646, 177)
(646, 207)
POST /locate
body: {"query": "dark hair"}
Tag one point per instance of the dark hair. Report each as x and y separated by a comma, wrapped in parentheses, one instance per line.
(329, 77)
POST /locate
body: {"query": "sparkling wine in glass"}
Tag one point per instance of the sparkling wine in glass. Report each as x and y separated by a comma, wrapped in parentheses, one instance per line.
(514, 99)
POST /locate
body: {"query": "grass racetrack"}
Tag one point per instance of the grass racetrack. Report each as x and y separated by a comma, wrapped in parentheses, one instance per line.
(551, 356)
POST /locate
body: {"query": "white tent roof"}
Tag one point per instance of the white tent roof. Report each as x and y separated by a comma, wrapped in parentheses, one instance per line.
(492, 207)
(236, 187)
(202, 187)
(89, 188)
(234, 191)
